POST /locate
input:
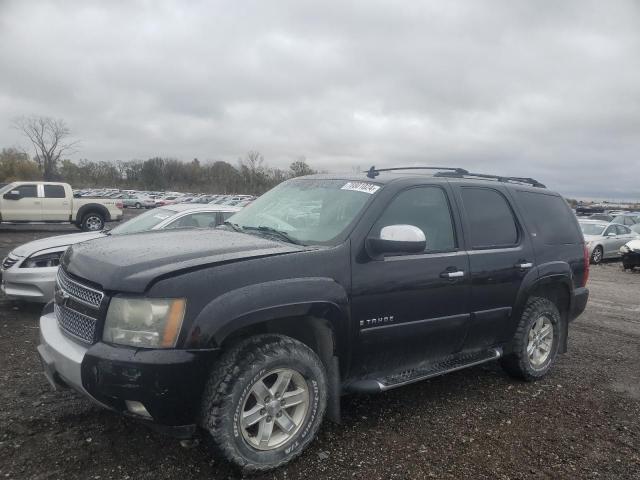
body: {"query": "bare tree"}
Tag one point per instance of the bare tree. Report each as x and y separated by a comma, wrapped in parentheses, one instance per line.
(49, 137)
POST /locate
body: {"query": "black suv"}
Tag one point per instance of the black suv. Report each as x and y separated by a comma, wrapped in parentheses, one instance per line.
(323, 286)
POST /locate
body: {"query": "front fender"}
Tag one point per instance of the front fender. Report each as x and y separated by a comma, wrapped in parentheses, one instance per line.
(253, 304)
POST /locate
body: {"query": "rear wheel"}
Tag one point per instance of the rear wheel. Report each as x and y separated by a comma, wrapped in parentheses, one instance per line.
(597, 255)
(92, 222)
(536, 341)
(264, 402)
(138, 205)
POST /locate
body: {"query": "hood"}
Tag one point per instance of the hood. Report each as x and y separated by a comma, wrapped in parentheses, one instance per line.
(634, 245)
(129, 263)
(58, 241)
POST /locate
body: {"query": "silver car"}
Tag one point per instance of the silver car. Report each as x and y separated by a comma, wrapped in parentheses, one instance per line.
(137, 201)
(29, 271)
(605, 239)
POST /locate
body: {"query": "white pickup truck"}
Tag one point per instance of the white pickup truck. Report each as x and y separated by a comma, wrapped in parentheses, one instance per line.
(52, 202)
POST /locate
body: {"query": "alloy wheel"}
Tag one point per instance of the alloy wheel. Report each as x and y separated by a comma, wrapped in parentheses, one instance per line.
(540, 341)
(274, 409)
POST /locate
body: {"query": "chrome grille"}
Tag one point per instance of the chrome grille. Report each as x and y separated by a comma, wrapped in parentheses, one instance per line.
(9, 261)
(76, 324)
(80, 292)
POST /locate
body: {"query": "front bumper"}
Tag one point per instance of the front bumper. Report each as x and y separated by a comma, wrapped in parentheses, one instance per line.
(630, 259)
(168, 383)
(30, 284)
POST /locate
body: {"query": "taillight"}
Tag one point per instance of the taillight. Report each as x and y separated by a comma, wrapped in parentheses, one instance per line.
(119, 205)
(587, 263)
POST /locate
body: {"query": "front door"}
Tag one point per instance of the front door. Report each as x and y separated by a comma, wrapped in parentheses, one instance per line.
(411, 308)
(56, 207)
(26, 207)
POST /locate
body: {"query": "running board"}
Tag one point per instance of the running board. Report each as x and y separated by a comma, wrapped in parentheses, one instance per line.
(412, 375)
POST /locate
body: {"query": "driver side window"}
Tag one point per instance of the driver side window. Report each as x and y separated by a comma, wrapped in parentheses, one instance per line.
(426, 208)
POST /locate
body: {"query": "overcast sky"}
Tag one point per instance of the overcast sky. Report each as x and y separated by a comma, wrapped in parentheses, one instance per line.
(545, 89)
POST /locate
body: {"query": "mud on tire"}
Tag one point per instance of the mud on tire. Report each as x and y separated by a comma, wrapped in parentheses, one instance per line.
(234, 375)
(518, 363)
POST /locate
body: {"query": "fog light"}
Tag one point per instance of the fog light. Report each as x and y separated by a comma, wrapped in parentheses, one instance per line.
(137, 408)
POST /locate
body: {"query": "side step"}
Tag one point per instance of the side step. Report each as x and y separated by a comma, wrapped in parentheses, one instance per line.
(411, 375)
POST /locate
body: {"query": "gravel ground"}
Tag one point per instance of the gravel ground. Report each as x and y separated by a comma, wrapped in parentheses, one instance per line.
(582, 421)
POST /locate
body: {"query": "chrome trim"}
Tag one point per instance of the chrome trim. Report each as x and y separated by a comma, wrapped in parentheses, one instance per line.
(72, 287)
(497, 354)
(72, 322)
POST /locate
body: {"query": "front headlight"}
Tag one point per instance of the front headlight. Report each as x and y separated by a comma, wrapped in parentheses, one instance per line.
(44, 260)
(144, 322)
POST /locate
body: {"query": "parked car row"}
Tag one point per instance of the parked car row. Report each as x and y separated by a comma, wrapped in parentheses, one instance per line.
(149, 199)
(605, 239)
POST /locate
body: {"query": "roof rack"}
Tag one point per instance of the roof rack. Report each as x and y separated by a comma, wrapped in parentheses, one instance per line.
(454, 172)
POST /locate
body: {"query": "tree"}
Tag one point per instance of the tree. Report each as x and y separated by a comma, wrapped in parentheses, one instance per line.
(300, 168)
(16, 165)
(49, 138)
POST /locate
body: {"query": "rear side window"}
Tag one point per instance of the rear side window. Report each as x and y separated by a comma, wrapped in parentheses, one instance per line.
(623, 230)
(490, 218)
(27, 191)
(54, 191)
(551, 218)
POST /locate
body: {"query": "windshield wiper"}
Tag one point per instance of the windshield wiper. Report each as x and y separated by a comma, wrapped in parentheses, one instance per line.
(278, 233)
(234, 226)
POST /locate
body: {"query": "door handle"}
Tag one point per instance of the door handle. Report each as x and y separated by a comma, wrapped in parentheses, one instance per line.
(456, 274)
(524, 265)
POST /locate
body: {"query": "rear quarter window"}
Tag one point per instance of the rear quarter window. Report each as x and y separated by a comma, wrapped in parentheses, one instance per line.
(550, 217)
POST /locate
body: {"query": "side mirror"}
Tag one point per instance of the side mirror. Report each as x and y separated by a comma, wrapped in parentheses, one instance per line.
(611, 234)
(397, 239)
(12, 195)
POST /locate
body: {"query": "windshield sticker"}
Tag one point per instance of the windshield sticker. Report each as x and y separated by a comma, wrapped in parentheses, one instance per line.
(363, 187)
(161, 216)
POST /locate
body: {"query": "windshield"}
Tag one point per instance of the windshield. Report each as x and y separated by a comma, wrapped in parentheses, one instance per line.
(143, 222)
(306, 210)
(592, 228)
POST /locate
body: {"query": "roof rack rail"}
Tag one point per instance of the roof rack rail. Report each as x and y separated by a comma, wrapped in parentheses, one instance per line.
(373, 172)
(454, 172)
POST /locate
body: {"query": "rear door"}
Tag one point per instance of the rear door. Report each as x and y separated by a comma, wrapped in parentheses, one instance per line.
(500, 256)
(56, 205)
(26, 208)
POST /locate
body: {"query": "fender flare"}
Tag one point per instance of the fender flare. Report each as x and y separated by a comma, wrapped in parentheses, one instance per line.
(553, 273)
(92, 207)
(253, 304)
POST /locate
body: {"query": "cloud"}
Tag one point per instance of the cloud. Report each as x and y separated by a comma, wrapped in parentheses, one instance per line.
(543, 89)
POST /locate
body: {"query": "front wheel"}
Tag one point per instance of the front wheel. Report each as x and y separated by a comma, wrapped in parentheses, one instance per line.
(597, 255)
(264, 402)
(536, 341)
(138, 206)
(92, 222)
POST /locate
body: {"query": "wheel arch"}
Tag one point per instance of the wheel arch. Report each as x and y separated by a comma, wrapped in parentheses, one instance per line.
(92, 208)
(557, 288)
(311, 310)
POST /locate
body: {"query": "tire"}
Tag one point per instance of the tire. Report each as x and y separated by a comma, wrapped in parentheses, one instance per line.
(523, 362)
(597, 255)
(138, 206)
(230, 392)
(92, 222)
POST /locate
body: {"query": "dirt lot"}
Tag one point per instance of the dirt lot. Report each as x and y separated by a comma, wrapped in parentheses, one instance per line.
(583, 421)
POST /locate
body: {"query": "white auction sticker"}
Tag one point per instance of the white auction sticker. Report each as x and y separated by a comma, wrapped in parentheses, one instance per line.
(364, 187)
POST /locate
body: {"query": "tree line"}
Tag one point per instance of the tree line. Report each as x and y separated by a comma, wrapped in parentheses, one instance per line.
(251, 175)
(50, 140)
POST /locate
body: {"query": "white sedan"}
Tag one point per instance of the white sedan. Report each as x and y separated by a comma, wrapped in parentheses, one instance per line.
(29, 271)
